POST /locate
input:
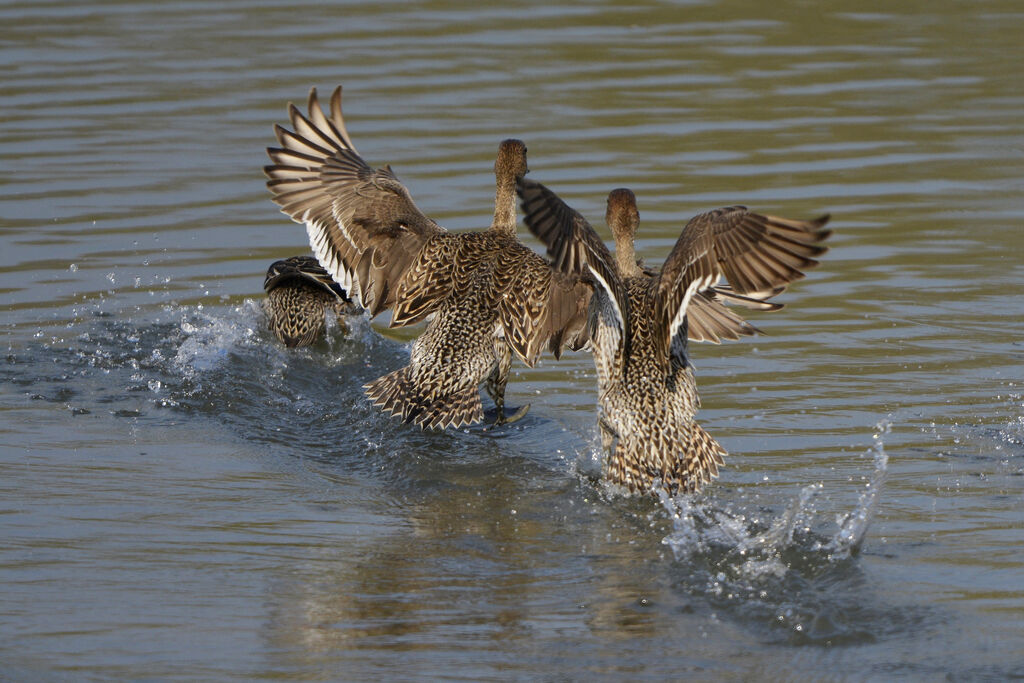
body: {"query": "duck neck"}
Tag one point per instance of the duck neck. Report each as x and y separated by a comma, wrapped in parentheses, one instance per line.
(505, 207)
(625, 257)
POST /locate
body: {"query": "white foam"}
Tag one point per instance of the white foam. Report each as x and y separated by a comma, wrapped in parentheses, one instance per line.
(208, 339)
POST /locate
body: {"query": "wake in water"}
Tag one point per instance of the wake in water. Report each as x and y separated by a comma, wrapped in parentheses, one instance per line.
(181, 357)
(697, 527)
(208, 340)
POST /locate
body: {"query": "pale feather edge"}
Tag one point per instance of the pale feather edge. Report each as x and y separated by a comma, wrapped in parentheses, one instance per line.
(680, 314)
(330, 260)
(615, 303)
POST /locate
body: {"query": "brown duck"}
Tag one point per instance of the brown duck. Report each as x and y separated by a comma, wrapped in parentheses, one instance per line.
(486, 295)
(639, 321)
(299, 295)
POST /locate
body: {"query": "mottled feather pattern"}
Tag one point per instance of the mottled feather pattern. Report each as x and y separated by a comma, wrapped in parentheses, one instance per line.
(651, 404)
(473, 288)
(299, 294)
(416, 400)
(428, 281)
(448, 362)
(647, 393)
(295, 313)
(523, 304)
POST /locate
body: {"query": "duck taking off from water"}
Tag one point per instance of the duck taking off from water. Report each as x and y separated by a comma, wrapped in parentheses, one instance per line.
(639, 321)
(485, 294)
(299, 295)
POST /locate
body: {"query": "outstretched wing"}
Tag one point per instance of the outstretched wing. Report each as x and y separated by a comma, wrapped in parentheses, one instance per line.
(757, 255)
(570, 240)
(362, 223)
(538, 305)
(573, 245)
(708, 320)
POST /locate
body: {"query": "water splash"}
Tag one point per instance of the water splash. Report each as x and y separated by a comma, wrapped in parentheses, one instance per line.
(1012, 433)
(208, 339)
(700, 527)
(788, 570)
(853, 526)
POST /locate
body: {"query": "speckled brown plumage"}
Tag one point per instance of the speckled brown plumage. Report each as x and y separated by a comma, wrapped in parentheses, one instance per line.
(639, 320)
(299, 295)
(485, 295)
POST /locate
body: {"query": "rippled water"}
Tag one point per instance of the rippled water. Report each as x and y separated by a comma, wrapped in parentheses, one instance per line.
(182, 497)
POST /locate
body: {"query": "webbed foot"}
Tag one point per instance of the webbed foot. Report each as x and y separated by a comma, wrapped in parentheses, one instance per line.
(502, 420)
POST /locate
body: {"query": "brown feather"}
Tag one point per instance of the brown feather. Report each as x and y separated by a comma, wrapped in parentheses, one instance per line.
(299, 294)
(474, 288)
(647, 392)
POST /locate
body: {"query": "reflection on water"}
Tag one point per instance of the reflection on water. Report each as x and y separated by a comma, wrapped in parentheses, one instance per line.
(175, 481)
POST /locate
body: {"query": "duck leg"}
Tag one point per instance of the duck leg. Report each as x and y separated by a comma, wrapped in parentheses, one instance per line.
(496, 382)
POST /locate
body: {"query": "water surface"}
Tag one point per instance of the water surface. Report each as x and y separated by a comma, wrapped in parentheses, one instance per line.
(183, 498)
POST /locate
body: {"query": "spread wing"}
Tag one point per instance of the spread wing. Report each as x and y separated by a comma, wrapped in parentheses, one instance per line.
(757, 255)
(708, 320)
(538, 305)
(573, 245)
(362, 223)
(570, 240)
(304, 268)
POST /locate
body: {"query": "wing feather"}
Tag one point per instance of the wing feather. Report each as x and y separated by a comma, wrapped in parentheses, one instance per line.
(363, 225)
(709, 321)
(758, 255)
(573, 245)
(306, 269)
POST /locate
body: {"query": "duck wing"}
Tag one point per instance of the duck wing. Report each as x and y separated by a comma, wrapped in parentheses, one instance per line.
(758, 256)
(363, 225)
(574, 247)
(538, 305)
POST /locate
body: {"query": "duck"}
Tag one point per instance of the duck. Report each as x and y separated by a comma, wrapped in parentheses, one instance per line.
(485, 296)
(641, 320)
(299, 295)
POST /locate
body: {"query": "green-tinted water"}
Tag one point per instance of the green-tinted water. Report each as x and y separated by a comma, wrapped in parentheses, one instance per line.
(181, 497)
